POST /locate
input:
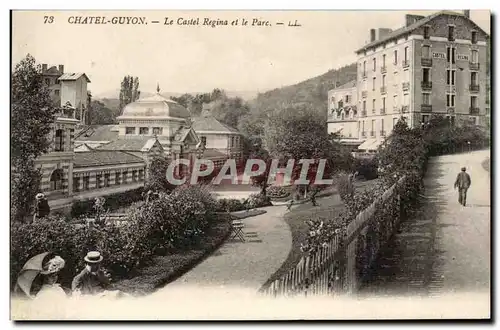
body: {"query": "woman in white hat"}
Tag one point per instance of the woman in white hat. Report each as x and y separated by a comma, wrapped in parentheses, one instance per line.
(50, 288)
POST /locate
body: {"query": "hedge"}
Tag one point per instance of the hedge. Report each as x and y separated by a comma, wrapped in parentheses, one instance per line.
(113, 202)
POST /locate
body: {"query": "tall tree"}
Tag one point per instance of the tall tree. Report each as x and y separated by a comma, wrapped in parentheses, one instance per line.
(129, 91)
(32, 115)
(157, 175)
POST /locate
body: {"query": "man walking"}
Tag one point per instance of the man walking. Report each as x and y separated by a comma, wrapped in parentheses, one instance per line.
(463, 183)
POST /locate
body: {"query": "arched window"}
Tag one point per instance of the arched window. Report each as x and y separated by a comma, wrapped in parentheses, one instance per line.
(342, 115)
(56, 180)
(59, 141)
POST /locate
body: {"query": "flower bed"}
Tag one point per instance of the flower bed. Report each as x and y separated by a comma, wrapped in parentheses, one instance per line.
(168, 224)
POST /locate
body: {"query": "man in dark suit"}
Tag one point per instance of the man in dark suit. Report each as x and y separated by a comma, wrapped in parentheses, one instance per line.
(92, 279)
(463, 183)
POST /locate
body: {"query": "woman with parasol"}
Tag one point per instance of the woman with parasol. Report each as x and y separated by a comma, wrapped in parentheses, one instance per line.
(38, 278)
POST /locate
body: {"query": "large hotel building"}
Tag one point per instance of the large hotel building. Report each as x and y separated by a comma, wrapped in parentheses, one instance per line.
(437, 64)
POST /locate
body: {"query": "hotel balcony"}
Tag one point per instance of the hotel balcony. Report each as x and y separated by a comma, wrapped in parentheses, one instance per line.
(372, 133)
(405, 108)
(474, 111)
(382, 111)
(406, 86)
(426, 62)
(426, 107)
(363, 113)
(426, 85)
(383, 69)
(474, 87)
(364, 94)
(383, 90)
(396, 109)
(406, 63)
(382, 133)
(474, 66)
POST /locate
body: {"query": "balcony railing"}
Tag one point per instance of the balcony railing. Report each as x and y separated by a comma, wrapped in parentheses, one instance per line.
(364, 75)
(474, 87)
(364, 94)
(474, 110)
(474, 66)
(426, 107)
(382, 111)
(406, 63)
(363, 134)
(396, 109)
(363, 113)
(382, 133)
(426, 85)
(406, 86)
(426, 61)
(372, 133)
(383, 69)
(405, 108)
(383, 90)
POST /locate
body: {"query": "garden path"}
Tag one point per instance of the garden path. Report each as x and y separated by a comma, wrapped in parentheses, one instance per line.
(445, 248)
(246, 265)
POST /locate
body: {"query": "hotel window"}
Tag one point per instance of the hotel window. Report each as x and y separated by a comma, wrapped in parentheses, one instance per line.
(373, 125)
(395, 57)
(383, 80)
(451, 33)
(204, 140)
(363, 125)
(426, 32)
(98, 180)
(118, 178)
(232, 141)
(374, 64)
(125, 174)
(475, 56)
(59, 142)
(426, 99)
(450, 77)
(426, 75)
(129, 130)
(473, 78)
(406, 53)
(157, 130)
(76, 183)
(364, 105)
(143, 130)
(474, 37)
(106, 180)
(56, 92)
(450, 100)
(383, 103)
(406, 99)
(358, 126)
(374, 83)
(365, 85)
(373, 105)
(364, 68)
(86, 182)
(383, 60)
(395, 101)
(425, 119)
(450, 54)
(382, 124)
(134, 175)
(473, 101)
(347, 99)
(426, 52)
(141, 175)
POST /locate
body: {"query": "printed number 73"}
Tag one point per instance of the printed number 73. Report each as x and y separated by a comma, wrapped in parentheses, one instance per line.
(48, 19)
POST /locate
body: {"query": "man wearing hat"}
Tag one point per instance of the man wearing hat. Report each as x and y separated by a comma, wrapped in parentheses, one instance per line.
(92, 279)
(463, 183)
(42, 208)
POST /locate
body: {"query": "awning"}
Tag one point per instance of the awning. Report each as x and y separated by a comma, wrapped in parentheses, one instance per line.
(371, 144)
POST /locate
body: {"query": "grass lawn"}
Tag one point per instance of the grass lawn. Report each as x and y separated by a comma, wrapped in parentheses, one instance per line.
(164, 269)
(329, 206)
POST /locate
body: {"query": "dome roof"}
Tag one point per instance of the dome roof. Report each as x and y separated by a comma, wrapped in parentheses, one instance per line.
(155, 106)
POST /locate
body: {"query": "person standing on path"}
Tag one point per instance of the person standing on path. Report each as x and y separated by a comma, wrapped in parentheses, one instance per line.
(463, 183)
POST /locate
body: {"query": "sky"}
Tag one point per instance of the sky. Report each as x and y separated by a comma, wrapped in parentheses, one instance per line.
(189, 58)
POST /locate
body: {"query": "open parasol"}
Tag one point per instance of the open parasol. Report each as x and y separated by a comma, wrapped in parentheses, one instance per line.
(30, 270)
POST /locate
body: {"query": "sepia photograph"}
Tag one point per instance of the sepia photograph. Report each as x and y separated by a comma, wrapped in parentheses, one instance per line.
(250, 165)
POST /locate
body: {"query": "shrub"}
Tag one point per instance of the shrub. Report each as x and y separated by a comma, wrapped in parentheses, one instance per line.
(258, 200)
(113, 202)
(277, 192)
(231, 205)
(367, 167)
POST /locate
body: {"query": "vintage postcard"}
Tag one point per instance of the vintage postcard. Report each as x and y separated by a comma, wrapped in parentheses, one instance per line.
(250, 165)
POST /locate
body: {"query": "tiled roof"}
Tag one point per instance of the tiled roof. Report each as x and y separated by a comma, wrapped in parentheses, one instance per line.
(410, 28)
(350, 84)
(132, 144)
(209, 123)
(103, 157)
(97, 133)
(214, 153)
(73, 76)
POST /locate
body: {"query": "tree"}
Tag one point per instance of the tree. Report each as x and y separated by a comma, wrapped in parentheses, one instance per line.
(157, 175)
(256, 151)
(100, 114)
(32, 116)
(129, 91)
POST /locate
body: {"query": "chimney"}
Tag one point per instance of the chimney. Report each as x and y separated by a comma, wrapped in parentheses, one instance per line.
(61, 69)
(467, 13)
(372, 35)
(44, 68)
(410, 19)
